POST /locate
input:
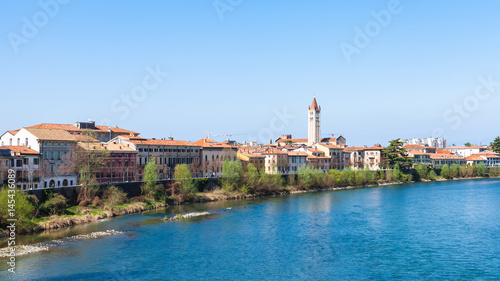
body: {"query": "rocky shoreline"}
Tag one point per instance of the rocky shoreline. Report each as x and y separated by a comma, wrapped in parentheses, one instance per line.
(23, 250)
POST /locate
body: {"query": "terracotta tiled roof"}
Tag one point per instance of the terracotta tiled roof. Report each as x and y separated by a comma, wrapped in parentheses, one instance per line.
(417, 152)
(292, 140)
(440, 151)
(112, 147)
(14, 131)
(21, 150)
(142, 141)
(466, 147)
(297, 153)
(51, 134)
(476, 157)
(414, 146)
(208, 143)
(329, 145)
(72, 129)
(438, 156)
(314, 105)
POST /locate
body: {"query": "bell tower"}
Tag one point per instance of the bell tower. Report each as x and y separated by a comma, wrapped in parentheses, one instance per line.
(314, 127)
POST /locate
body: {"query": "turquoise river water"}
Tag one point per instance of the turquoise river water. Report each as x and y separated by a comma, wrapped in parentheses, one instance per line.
(442, 230)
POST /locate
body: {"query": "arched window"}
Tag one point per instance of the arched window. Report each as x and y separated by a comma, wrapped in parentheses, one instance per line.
(65, 182)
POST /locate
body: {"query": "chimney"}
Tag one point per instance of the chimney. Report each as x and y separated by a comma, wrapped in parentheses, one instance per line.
(170, 138)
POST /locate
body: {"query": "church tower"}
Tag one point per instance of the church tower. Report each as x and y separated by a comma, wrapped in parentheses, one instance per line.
(314, 134)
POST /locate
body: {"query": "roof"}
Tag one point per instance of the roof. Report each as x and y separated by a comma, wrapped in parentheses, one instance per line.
(417, 152)
(208, 143)
(273, 150)
(314, 105)
(51, 134)
(142, 141)
(22, 150)
(250, 154)
(476, 157)
(291, 140)
(112, 147)
(445, 156)
(329, 145)
(297, 153)
(72, 129)
(466, 147)
(440, 151)
(414, 146)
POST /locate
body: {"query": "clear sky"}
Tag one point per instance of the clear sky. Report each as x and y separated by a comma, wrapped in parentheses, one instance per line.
(379, 69)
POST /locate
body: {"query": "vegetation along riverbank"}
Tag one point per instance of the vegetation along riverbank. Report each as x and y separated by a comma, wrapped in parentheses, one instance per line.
(96, 202)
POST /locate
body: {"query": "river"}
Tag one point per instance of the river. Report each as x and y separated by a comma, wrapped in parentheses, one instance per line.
(439, 230)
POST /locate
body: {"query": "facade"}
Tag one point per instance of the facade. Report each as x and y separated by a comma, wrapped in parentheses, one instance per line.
(167, 153)
(119, 165)
(296, 159)
(419, 157)
(465, 151)
(54, 147)
(338, 159)
(212, 157)
(25, 162)
(247, 157)
(489, 158)
(439, 160)
(276, 160)
(314, 121)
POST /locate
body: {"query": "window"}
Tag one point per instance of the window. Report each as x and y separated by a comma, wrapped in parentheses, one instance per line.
(26, 142)
(52, 155)
(58, 155)
(25, 161)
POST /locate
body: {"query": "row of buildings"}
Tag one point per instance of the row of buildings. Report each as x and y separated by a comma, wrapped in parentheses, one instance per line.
(43, 155)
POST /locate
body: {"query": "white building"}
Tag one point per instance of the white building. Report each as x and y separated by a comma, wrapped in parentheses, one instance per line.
(54, 146)
(466, 151)
(439, 143)
(314, 134)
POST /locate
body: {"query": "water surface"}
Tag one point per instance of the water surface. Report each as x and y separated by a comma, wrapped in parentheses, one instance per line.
(446, 230)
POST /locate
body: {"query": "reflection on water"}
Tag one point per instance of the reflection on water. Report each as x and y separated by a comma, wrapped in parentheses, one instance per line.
(445, 230)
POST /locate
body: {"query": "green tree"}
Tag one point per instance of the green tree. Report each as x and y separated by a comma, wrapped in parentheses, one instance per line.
(468, 144)
(305, 176)
(455, 171)
(250, 179)
(21, 203)
(495, 145)
(232, 174)
(480, 170)
(395, 154)
(432, 175)
(445, 172)
(150, 179)
(184, 179)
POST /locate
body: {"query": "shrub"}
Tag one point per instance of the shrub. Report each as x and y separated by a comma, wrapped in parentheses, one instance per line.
(25, 211)
(114, 196)
(55, 205)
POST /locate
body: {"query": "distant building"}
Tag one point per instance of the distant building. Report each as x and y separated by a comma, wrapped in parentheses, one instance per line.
(314, 134)
(25, 163)
(466, 151)
(212, 155)
(438, 143)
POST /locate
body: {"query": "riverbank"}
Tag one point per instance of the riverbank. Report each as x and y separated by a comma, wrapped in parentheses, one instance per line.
(89, 215)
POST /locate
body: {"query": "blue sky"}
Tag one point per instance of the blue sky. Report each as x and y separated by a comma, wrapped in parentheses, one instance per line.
(237, 71)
